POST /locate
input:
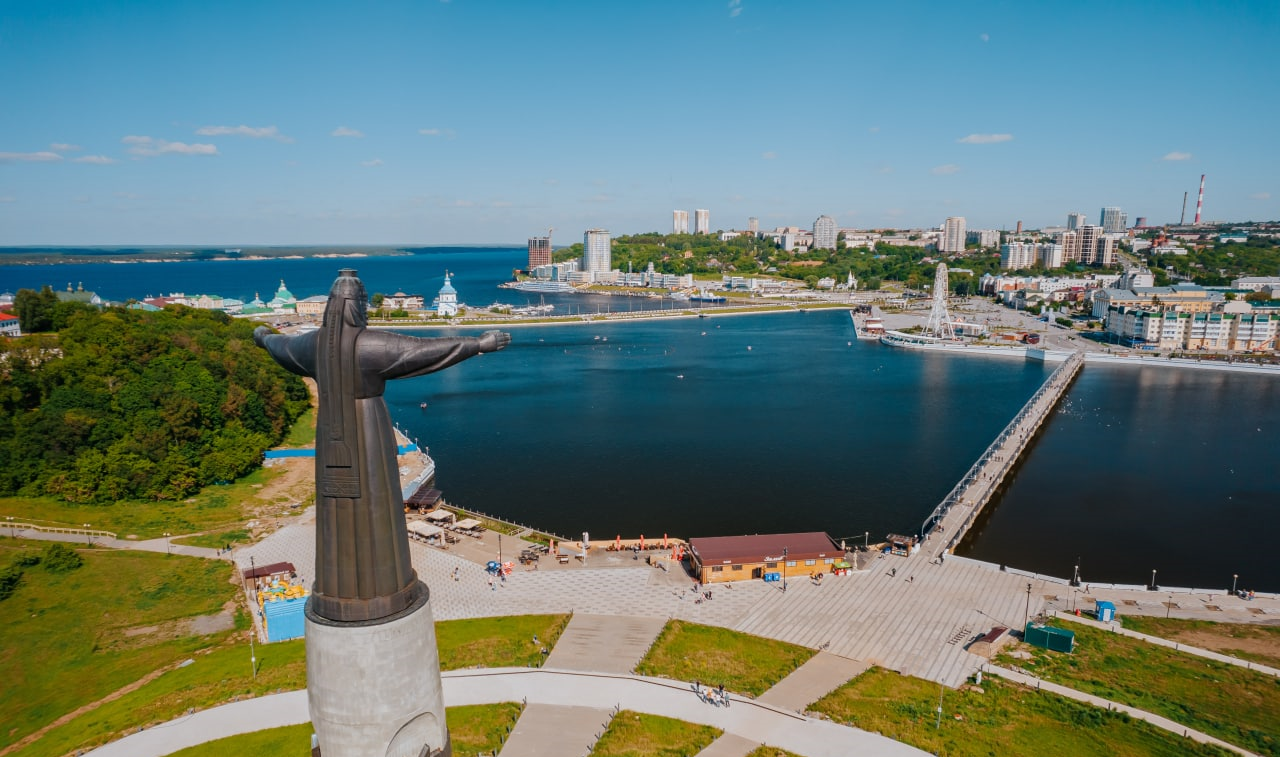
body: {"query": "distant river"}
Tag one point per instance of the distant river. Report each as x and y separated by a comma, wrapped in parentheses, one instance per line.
(753, 424)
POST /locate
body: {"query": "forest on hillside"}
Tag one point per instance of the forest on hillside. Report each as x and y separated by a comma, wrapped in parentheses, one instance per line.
(122, 404)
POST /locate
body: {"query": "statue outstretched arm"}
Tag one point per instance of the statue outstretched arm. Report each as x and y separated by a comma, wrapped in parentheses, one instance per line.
(297, 353)
(402, 356)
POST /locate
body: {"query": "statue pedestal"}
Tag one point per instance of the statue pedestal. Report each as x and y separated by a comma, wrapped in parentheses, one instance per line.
(374, 687)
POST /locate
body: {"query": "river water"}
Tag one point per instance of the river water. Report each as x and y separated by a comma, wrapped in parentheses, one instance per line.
(762, 423)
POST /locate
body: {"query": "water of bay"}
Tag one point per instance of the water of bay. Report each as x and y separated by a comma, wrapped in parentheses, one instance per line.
(807, 429)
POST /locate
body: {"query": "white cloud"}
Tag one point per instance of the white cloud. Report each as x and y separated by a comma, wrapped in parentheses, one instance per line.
(371, 163)
(147, 147)
(735, 8)
(447, 133)
(253, 132)
(97, 160)
(63, 147)
(1260, 196)
(1177, 156)
(945, 170)
(985, 139)
(984, 37)
(343, 131)
(29, 157)
(770, 155)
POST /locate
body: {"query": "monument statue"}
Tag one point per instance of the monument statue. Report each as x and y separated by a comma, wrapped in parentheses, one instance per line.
(373, 673)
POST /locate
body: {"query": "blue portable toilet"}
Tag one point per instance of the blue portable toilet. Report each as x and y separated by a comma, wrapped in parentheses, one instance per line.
(284, 618)
(1106, 611)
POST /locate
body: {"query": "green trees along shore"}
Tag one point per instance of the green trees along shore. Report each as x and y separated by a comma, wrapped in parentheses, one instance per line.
(125, 404)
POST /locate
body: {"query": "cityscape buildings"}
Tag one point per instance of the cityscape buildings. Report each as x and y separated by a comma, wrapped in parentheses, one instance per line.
(824, 233)
(1114, 221)
(447, 300)
(753, 225)
(539, 251)
(702, 221)
(679, 222)
(1075, 221)
(953, 235)
(597, 252)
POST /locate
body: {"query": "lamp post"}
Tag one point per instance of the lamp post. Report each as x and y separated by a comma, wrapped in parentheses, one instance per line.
(784, 570)
(166, 542)
(866, 536)
(1168, 607)
(88, 536)
(1026, 615)
(1153, 580)
(499, 551)
(1234, 576)
(1075, 577)
(13, 534)
(253, 624)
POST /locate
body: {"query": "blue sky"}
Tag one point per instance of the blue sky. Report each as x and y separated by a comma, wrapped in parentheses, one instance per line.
(236, 123)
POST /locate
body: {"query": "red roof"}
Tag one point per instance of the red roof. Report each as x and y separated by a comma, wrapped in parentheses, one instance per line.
(727, 550)
(6, 317)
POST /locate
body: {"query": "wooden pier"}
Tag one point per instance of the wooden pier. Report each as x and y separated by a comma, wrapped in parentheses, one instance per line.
(952, 518)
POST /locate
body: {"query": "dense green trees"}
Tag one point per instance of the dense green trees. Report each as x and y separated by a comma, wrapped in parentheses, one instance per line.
(124, 404)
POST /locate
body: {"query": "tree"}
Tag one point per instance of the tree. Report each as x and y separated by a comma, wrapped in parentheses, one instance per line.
(35, 309)
(59, 559)
(1257, 297)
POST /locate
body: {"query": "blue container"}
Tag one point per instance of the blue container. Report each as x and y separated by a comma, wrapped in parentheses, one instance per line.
(772, 577)
(284, 618)
(1106, 612)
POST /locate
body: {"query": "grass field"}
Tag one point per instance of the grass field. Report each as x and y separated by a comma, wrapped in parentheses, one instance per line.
(303, 433)
(633, 734)
(497, 642)
(771, 751)
(717, 656)
(473, 729)
(1248, 641)
(1005, 719)
(69, 639)
(216, 539)
(1236, 705)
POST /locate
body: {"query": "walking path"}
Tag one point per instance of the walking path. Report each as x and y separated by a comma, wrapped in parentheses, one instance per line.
(95, 538)
(604, 643)
(1080, 696)
(548, 730)
(753, 721)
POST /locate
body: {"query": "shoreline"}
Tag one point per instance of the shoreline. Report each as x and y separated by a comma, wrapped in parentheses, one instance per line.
(570, 320)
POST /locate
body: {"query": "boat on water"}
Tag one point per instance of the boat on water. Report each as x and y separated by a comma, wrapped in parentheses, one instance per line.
(705, 296)
(538, 285)
(871, 327)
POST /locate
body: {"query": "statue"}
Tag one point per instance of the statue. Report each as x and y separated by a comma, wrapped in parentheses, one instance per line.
(364, 578)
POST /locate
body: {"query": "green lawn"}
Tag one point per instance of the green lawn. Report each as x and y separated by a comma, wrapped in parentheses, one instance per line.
(497, 642)
(633, 734)
(717, 656)
(303, 433)
(1262, 642)
(69, 639)
(216, 539)
(1234, 704)
(473, 729)
(771, 751)
(1006, 719)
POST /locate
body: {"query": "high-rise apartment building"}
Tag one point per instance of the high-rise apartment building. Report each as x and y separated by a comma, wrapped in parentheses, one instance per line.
(702, 222)
(1089, 238)
(539, 251)
(1017, 255)
(983, 237)
(679, 222)
(953, 235)
(597, 252)
(824, 233)
(753, 225)
(1075, 221)
(1051, 255)
(1114, 221)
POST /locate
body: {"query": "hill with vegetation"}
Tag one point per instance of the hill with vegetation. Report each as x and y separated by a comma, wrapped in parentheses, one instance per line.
(124, 404)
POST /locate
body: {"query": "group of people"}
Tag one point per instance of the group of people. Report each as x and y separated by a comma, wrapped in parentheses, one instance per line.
(715, 695)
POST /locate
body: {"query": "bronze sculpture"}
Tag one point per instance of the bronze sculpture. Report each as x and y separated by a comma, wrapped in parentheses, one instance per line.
(363, 571)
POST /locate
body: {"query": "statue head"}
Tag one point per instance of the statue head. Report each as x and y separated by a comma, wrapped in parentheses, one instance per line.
(347, 301)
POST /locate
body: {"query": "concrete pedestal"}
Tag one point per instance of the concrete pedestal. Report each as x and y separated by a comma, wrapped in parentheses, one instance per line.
(374, 688)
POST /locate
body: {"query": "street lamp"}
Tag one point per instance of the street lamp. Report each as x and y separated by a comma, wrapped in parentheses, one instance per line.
(88, 535)
(784, 570)
(253, 624)
(1168, 607)
(166, 542)
(499, 551)
(12, 533)
(1153, 581)
(1026, 615)
(1234, 576)
(866, 535)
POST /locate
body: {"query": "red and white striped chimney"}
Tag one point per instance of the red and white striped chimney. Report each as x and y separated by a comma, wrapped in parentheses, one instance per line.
(1200, 200)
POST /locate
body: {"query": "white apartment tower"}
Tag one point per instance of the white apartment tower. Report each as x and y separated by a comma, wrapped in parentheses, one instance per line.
(753, 225)
(824, 233)
(597, 254)
(679, 222)
(1017, 255)
(702, 221)
(953, 235)
(1075, 221)
(1114, 221)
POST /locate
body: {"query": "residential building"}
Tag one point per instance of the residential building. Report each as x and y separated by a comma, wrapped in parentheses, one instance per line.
(1051, 255)
(9, 325)
(310, 306)
(1018, 255)
(1076, 220)
(1257, 283)
(1114, 221)
(824, 233)
(702, 221)
(447, 301)
(679, 222)
(597, 251)
(952, 235)
(753, 225)
(402, 301)
(983, 237)
(539, 251)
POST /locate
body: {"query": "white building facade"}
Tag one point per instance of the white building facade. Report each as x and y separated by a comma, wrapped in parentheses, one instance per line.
(952, 235)
(701, 221)
(824, 233)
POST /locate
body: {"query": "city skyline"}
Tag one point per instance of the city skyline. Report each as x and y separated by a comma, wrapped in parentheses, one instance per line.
(242, 124)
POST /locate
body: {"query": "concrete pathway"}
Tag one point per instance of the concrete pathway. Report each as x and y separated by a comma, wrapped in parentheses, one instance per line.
(729, 745)
(822, 674)
(1155, 720)
(547, 730)
(91, 538)
(753, 721)
(604, 643)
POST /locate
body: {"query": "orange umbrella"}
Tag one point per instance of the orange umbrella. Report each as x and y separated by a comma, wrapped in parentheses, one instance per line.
(664, 541)
(641, 541)
(617, 543)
